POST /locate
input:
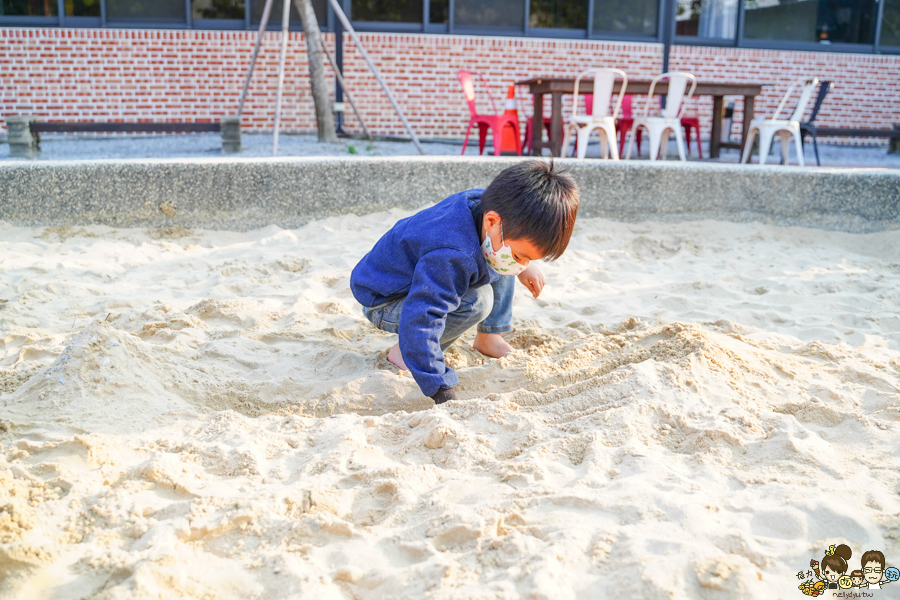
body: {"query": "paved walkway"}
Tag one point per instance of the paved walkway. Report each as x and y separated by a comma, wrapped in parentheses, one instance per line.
(209, 145)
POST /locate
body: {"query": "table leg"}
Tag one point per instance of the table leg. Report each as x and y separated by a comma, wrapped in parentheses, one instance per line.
(555, 124)
(537, 125)
(715, 136)
(748, 116)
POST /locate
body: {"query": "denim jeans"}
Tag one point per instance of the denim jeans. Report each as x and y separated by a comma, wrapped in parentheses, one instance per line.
(500, 319)
(488, 306)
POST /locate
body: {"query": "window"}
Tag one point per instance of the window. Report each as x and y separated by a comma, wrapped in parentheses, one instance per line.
(402, 11)
(28, 8)
(847, 21)
(82, 8)
(439, 12)
(145, 10)
(711, 19)
(257, 6)
(890, 23)
(823, 21)
(780, 20)
(629, 17)
(489, 13)
(217, 9)
(563, 14)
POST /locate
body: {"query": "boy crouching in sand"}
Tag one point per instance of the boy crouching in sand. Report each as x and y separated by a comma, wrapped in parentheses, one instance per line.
(450, 267)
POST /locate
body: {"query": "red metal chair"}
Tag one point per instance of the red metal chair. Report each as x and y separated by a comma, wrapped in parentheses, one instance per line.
(691, 123)
(529, 133)
(495, 122)
(624, 123)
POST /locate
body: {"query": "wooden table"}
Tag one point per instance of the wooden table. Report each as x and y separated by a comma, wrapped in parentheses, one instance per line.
(557, 86)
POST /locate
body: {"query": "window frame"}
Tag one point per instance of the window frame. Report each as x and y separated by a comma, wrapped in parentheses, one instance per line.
(879, 49)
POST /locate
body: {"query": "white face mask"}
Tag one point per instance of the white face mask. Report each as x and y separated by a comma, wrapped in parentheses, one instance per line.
(501, 260)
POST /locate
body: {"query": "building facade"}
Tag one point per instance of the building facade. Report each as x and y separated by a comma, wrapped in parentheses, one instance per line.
(186, 59)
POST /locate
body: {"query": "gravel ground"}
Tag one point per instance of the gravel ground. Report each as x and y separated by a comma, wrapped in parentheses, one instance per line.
(208, 145)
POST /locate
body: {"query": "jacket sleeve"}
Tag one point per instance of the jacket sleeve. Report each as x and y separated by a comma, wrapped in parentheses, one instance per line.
(440, 280)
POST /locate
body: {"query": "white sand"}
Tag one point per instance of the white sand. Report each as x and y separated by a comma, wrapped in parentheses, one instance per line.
(695, 411)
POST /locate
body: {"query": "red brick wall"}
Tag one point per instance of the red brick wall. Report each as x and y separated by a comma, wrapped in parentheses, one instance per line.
(130, 74)
(138, 74)
(422, 71)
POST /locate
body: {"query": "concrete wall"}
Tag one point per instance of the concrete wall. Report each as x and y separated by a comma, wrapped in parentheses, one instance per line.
(241, 194)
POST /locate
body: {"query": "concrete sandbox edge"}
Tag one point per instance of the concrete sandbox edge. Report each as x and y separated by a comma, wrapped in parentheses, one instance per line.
(242, 194)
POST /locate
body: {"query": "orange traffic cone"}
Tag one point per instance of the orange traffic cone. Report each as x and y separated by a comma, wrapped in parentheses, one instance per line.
(509, 135)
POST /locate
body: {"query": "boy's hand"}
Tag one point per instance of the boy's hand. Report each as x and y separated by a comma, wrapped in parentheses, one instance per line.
(533, 279)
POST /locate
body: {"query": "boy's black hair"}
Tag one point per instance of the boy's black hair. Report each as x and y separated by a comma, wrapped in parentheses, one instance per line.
(537, 202)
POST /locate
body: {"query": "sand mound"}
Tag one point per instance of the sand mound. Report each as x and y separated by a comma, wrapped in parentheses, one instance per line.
(106, 381)
(221, 421)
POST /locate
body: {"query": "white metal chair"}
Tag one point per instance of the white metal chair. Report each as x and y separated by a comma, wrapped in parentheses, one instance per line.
(600, 119)
(669, 120)
(784, 128)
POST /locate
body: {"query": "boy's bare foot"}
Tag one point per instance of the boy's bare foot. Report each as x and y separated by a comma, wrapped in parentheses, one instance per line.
(395, 357)
(491, 344)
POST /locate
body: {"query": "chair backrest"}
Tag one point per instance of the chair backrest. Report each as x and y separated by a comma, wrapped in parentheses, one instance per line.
(626, 106)
(465, 79)
(604, 83)
(824, 88)
(807, 85)
(675, 97)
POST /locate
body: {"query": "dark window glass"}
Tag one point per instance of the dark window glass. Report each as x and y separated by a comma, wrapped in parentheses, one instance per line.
(632, 17)
(489, 13)
(565, 14)
(890, 24)
(83, 8)
(402, 11)
(825, 21)
(715, 19)
(145, 10)
(847, 21)
(217, 9)
(28, 8)
(439, 12)
(256, 11)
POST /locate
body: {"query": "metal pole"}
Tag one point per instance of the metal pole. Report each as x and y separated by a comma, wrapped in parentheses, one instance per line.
(668, 31)
(285, 18)
(339, 60)
(343, 86)
(346, 23)
(262, 28)
(668, 26)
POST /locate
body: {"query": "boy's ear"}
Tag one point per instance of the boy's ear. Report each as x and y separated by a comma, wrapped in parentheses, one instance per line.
(491, 219)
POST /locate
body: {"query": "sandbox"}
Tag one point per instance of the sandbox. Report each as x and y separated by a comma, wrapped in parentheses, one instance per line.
(702, 399)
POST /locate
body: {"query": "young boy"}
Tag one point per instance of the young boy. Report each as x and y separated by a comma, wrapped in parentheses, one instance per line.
(450, 267)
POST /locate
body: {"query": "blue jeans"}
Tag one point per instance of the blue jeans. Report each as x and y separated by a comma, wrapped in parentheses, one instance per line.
(500, 318)
(489, 307)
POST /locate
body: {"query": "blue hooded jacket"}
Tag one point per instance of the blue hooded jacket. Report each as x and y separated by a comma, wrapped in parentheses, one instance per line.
(433, 258)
